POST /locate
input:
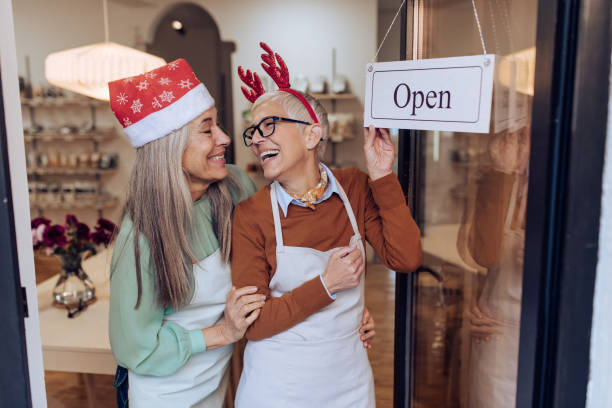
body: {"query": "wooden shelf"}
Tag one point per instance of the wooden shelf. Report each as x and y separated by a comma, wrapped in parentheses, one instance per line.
(68, 171)
(61, 101)
(98, 203)
(48, 136)
(328, 96)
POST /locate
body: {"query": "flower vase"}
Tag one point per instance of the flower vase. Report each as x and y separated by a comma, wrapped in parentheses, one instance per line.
(73, 286)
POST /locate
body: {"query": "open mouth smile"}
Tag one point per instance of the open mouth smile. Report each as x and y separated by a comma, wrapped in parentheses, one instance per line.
(268, 154)
(217, 157)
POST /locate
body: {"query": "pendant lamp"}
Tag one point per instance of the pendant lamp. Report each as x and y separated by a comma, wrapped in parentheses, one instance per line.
(87, 70)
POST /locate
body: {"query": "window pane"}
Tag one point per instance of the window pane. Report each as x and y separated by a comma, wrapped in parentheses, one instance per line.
(473, 195)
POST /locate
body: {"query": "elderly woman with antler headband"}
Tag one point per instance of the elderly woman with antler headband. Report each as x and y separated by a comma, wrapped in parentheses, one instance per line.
(300, 240)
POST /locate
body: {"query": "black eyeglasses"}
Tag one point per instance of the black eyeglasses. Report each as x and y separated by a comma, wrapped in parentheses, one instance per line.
(266, 128)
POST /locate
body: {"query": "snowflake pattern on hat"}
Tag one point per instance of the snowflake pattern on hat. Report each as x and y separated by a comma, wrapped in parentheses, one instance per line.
(142, 85)
(151, 105)
(122, 98)
(166, 96)
(141, 95)
(136, 106)
(185, 83)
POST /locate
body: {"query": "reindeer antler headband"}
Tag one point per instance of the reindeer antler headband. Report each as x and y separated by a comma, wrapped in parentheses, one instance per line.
(274, 65)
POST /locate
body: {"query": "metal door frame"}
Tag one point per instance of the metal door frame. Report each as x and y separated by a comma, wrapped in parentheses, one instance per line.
(14, 375)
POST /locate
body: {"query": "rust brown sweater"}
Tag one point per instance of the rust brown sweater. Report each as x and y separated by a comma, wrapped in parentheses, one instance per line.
(383, 219)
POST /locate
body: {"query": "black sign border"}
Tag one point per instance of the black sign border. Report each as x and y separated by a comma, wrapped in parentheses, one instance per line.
(427, 120)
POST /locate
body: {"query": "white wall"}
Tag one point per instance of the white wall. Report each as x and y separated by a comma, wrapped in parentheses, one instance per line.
(599, 393)
(303, 32)
(43, 27)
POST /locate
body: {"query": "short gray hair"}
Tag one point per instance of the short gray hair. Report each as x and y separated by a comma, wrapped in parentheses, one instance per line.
(296, 110)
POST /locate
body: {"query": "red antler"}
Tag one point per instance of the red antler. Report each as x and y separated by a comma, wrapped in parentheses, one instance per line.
(279, 73)
(252, 80)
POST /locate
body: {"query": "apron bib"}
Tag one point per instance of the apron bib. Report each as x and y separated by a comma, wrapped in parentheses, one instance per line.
(321, 361)
(202, 381)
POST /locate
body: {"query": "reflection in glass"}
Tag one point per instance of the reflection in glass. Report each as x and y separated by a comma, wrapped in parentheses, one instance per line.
(473, 195)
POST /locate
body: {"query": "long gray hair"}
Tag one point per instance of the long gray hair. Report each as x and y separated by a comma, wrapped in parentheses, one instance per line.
(161, 209)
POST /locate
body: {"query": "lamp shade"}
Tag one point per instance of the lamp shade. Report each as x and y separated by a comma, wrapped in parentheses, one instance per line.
(88, 70)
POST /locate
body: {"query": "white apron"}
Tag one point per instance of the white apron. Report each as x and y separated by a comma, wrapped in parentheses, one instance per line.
(494, 364)
(202, 381)
(321, 361)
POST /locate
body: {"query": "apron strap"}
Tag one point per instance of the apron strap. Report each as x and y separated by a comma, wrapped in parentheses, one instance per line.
(349, 209)
(277, 224)
(511, 205)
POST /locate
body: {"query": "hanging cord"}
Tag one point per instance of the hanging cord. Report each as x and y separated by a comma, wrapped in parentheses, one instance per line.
(507, 25)
(389, 29)
(493, 27)
(484, 49)
(105, 6)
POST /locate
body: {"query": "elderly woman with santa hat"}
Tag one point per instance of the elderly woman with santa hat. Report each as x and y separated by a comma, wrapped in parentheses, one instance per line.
(174, 314)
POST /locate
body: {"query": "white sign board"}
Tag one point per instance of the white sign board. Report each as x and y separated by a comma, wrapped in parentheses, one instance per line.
(450, 94)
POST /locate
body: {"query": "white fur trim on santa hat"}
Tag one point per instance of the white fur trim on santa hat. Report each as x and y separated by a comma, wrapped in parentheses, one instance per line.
(172, 117)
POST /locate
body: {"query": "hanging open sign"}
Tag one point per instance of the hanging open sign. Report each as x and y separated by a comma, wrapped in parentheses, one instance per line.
(451, 94)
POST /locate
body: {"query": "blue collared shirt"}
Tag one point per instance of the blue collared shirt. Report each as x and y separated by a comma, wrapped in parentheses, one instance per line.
(284, 199)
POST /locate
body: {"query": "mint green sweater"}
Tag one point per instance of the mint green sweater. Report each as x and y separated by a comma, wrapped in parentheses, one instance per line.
(140, 339)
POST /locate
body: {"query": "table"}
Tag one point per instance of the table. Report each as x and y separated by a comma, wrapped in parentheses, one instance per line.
(441, 241)
(80, 344)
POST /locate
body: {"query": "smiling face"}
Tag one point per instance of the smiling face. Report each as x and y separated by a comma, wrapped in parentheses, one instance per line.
(285, 153)
(204, 155)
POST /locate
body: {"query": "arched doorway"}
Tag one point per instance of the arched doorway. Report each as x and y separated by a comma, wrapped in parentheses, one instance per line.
(197, 39)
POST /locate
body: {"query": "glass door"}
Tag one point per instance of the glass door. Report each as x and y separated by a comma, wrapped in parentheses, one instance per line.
(470, 199)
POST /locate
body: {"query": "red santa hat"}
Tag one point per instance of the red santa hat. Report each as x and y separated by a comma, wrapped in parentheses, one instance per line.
(151, 105)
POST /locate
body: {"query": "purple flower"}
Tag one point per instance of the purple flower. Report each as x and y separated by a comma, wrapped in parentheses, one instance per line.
(100, 237)
(71, 220)
(36, 222)
(82, 231)
(37, 235)
(105, 224)
(54, 235)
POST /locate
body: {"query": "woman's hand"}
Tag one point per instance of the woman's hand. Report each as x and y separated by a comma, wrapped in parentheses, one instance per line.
(238, 317)
(483, 325)
(344, 269)
(509, 151)
(242, 308)
(379, 152)
(367, 328)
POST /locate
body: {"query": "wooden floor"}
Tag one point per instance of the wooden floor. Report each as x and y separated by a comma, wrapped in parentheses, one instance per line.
(67, 390)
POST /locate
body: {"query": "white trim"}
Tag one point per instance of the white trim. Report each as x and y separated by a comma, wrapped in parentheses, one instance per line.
(21, 204)
(599, 392)
(174, 116)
